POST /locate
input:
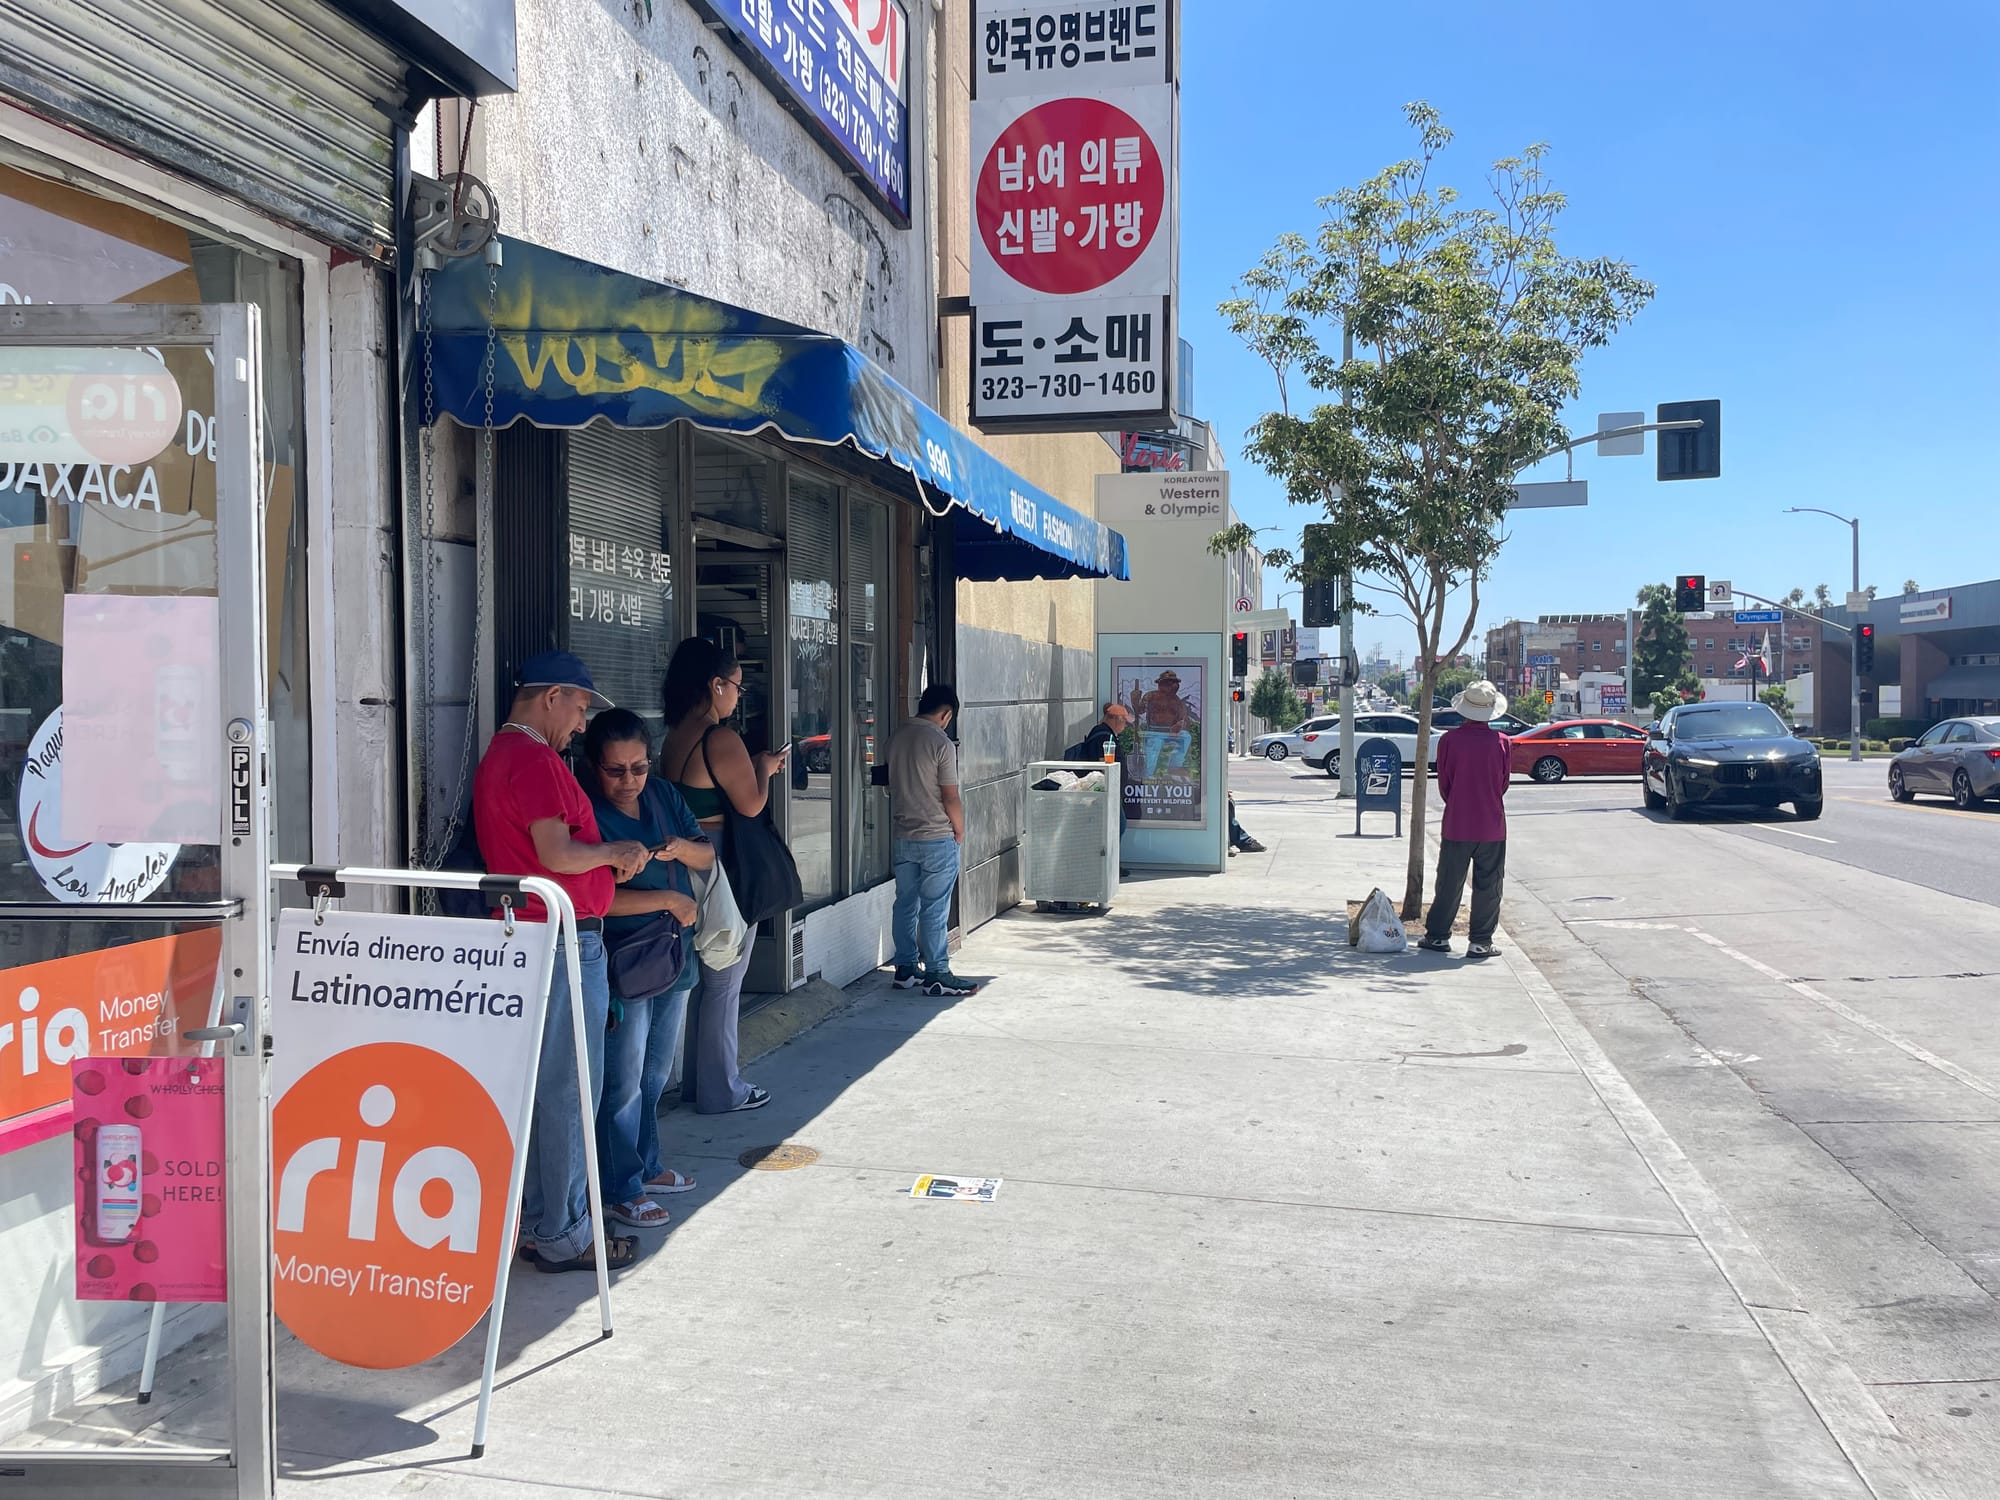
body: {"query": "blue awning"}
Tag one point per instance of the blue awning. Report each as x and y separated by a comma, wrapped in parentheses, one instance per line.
(574, 341)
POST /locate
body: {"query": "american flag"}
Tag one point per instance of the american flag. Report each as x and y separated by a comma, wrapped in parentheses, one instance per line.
(1762, 656)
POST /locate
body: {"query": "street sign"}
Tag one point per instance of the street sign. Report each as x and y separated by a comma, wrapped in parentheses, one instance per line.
(1720, 594)
(1550, 495)
(1857, 604)
(1541, 661)
(1632, 445)
(1759, 616)
(1243, 605)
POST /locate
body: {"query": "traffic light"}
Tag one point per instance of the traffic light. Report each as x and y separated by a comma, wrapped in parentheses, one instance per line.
(1693, 452)
(1239, 654)
(1691, 593)
(1320, 603)
(1864, 648)
(1236, 695)
(1305, 673)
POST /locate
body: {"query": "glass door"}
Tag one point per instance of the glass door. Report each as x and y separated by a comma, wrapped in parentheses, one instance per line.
(134, 890)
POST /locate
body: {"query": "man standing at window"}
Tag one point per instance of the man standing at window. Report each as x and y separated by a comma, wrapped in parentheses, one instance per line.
(533, 818)
(927, 820)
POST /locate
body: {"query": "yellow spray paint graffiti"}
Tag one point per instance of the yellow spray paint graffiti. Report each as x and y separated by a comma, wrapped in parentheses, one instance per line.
(722, 376)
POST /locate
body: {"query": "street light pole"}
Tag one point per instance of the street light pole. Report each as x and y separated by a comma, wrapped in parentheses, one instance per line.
(1346, 627)
(1854, 641)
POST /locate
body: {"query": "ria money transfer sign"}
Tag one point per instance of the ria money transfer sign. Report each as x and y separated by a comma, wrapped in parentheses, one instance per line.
(402, 1068)
(1076, 198)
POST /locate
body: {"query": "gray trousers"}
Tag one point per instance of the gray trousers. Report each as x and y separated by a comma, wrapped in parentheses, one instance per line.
(711, 1031)
(1488, 862)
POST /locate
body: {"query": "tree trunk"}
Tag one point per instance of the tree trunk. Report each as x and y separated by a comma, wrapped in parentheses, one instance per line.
(1413, 885)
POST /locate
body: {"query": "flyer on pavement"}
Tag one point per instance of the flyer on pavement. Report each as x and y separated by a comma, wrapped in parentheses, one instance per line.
(977, 1189)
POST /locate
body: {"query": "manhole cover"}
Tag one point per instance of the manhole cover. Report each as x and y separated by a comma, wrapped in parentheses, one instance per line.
(783, 1158)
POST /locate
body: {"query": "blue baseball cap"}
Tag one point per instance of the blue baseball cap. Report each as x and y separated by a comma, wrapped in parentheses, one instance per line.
(559, 669)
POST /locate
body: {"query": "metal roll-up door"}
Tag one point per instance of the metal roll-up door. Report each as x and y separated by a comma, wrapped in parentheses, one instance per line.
(281, 103)
(621, 487)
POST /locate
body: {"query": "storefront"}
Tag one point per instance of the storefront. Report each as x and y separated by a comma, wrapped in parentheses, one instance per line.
(665, 466)
(183, 190)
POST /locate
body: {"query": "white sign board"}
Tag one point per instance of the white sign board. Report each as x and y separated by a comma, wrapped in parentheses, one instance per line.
(402, 1075)
(1720, 594)
(1076, 202)
(1632, 445)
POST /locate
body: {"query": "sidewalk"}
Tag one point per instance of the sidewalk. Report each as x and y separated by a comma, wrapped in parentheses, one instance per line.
(1279, 1219)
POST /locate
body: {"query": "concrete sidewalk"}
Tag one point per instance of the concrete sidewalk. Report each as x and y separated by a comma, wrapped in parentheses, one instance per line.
(1279, 1219)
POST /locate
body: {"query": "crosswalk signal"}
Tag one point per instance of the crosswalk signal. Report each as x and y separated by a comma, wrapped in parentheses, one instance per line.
(1864, 648)
(1239, 654)
(1319, 602)
(1236, 695)
(1691, 593)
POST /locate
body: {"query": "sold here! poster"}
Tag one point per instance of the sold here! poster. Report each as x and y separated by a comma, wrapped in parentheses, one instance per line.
(402, 1058)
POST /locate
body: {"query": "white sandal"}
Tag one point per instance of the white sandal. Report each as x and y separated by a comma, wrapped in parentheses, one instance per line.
(672, 1182)
(639, 1213)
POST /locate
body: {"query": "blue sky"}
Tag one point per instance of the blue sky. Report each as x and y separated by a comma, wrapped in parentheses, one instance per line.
(1810, 187)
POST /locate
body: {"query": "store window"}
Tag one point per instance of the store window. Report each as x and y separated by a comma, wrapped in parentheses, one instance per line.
(144, 528)
(623, 490)
(871, 689)
(813, 597)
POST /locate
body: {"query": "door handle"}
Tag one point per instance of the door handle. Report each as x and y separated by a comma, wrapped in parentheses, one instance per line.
(224, 1033)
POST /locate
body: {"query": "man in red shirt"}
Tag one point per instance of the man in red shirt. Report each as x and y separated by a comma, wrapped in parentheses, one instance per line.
(532, 818)
(1474, 765)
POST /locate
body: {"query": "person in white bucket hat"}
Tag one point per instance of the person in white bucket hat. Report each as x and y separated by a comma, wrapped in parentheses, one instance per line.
(1474, 765)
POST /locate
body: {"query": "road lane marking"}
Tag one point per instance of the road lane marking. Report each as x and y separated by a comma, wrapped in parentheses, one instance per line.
(1942, 812)
(1846, 1012)
(1774, 828)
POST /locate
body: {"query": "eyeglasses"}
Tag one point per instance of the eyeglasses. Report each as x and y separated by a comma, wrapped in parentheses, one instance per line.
(635, 772)
(734, 682)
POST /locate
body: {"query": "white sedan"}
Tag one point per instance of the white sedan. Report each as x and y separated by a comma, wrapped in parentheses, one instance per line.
(1322, 750)
(1281, 743)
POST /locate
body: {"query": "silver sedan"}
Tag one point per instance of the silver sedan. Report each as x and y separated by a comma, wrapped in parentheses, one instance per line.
(1959, 759)
(1284, 742)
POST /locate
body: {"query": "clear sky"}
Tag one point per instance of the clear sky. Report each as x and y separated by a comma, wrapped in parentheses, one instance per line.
(1811, 187)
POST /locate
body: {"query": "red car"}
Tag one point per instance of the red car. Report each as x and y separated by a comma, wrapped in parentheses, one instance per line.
(1578, 747)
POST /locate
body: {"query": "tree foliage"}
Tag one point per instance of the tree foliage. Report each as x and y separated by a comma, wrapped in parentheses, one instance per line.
(1778, 699)
(1662, 652)
(1274, 701)
(1467, 326)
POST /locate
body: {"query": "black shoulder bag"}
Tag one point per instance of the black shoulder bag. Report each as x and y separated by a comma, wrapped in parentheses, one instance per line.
(647, 962)
(763, 876)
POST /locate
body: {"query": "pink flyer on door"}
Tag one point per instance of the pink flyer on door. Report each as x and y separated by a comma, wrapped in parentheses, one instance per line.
(142, 725)
(151, 1220)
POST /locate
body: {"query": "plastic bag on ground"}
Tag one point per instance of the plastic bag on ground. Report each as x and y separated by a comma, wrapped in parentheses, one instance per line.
(1378, 929)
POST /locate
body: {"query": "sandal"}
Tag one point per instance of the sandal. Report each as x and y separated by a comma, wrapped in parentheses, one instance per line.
(639, 1213)
(670, 1181)
(621, 1249)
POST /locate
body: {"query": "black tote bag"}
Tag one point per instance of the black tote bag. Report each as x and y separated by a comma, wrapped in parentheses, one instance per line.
(763, 876)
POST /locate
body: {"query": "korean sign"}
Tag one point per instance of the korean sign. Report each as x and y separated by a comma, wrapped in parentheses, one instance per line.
(1075, 120)
(845, 65)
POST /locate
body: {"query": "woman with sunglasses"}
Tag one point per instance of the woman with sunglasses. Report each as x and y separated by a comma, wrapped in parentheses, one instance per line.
(709, 762)
(639, 1051)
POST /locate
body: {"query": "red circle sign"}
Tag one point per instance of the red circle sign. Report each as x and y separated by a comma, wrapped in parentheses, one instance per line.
(1070, 196)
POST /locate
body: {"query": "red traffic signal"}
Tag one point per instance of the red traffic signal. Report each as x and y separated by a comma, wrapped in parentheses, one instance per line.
(1864, 648)
(1236, 695)
(1239, 654)
(1691, 593)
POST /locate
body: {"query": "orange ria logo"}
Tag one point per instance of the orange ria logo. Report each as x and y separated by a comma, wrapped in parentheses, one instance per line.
(392, 1169)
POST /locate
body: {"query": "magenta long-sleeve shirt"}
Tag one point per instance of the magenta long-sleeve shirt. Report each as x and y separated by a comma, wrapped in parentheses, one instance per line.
(1474, 765)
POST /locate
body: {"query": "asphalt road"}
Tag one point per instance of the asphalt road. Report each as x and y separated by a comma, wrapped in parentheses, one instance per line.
(1809, 1010)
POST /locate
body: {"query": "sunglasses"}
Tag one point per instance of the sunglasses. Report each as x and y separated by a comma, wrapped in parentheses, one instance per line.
(638, 771)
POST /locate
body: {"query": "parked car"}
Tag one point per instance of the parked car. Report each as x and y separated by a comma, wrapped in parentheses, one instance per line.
(1284, 742)
(1578, 747)
(1450, 718)
(1322, 749)
(1720, 753)
(1959, 759)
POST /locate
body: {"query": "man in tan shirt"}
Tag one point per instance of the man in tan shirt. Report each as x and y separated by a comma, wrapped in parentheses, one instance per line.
(927, 824)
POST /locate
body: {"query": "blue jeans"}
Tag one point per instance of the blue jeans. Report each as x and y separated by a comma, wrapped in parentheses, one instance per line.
(555, 1203)
(1154, 741)
(926, 871)
(638, 1056)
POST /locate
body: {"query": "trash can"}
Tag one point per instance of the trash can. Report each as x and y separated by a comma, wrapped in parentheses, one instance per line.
(1070, 836)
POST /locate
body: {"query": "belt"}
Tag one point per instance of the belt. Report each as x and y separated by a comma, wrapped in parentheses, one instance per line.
(590, 924)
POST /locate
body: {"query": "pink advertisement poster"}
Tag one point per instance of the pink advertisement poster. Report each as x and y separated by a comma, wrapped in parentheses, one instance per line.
(151, 1224)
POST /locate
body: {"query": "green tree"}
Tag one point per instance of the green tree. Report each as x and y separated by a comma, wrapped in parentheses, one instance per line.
(1822, 598)
(1453, 679)
(1466, 326)
(1911, 586)
(1391, 683)
(1778, 699)
(1273, 700)
(1661, 653)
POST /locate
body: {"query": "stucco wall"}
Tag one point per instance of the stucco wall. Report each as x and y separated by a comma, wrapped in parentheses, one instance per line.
(1026, 651)
(644, 143)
